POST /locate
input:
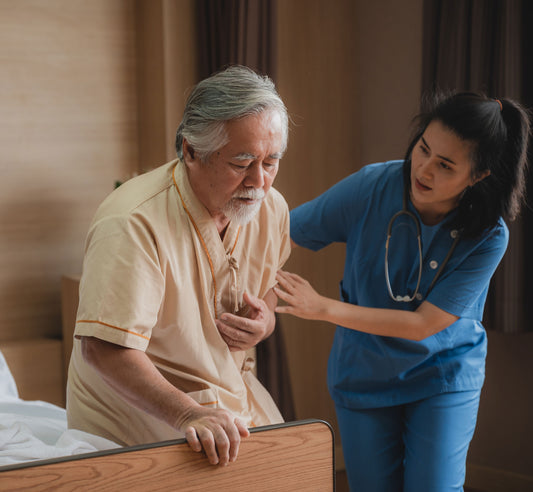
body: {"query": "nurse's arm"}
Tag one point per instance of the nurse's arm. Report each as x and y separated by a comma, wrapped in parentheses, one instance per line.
(303, 301)
(134, 377)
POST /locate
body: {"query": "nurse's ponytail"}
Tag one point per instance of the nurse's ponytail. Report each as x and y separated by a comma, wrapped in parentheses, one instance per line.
(515, 156)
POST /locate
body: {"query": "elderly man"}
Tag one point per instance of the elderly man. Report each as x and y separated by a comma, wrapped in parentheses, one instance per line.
(177, 280)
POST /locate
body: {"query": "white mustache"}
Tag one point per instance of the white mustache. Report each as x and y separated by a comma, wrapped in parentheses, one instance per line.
(252, 194)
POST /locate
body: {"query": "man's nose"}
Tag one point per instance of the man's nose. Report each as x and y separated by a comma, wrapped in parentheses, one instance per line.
(255, 176)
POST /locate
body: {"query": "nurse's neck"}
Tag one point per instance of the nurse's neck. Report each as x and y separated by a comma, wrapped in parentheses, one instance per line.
(431, 215)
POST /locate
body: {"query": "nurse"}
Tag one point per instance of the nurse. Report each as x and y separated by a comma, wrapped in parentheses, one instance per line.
(407, 363)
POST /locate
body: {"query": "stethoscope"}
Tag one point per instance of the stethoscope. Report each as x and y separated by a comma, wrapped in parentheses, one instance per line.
(414, 218)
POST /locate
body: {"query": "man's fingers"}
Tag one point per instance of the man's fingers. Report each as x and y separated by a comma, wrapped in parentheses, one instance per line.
(238, 431)
(233, 334)
(208, 444)
(253, 301)
(234, 436)
(237, 322)
(235, 339)
(223, 445)
(192, 439)
(242, 427)
(233, 345)
(219, 435)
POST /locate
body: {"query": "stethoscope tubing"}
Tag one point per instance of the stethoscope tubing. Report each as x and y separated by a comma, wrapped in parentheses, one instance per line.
(405, 298)
(404, 211)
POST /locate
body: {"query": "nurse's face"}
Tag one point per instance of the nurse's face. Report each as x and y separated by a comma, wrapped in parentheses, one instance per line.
(441, 170)
(236, 178)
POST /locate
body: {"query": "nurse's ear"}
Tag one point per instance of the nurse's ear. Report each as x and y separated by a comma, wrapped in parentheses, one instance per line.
(480, 177)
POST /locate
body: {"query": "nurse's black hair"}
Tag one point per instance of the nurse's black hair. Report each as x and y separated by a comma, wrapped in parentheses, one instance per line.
(499, 130)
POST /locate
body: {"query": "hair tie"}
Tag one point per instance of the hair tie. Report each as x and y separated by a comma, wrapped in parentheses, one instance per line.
(500, 103)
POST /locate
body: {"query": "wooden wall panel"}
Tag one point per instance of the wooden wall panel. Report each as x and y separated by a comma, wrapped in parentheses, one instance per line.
(501, 452)
(37, 367)
(150, 83)
(317, 79)
(181, 63)
(389, 68)
(349, 72)
(67, 132)
(167, 68)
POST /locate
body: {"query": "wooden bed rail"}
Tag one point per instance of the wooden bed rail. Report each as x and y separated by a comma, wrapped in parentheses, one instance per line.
(295, 456)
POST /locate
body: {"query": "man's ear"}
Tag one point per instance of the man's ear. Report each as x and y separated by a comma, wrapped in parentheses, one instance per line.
(188, 151)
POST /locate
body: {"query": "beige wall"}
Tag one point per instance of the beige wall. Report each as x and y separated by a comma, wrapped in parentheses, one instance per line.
(67, 132)
(91, 92)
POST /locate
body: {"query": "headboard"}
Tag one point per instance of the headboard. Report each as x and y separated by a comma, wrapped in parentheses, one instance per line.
(295, 456)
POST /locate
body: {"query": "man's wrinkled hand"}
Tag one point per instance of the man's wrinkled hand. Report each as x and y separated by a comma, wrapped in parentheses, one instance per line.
(244, 332)
(215, 431)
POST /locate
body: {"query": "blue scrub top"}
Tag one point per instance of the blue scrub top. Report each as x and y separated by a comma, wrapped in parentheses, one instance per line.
(370, 371)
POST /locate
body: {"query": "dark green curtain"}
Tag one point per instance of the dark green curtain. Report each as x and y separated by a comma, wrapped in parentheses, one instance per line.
(243, 32)
(486, 45)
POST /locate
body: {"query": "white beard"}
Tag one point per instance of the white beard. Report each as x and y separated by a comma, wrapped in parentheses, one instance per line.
(239, 212)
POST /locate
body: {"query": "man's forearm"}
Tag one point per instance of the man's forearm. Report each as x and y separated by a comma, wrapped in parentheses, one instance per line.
(134, 377)
(271, 300)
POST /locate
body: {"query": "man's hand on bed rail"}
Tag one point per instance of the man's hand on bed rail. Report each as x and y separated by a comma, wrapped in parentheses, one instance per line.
(132, 374)
(217, 432)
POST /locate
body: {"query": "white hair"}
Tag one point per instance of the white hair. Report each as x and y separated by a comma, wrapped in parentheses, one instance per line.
(233, 93)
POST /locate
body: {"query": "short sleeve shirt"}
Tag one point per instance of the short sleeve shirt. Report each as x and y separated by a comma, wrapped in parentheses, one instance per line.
(366, 370)
(156, 275)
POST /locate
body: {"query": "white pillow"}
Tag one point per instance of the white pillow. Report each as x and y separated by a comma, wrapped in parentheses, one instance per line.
(8, 387)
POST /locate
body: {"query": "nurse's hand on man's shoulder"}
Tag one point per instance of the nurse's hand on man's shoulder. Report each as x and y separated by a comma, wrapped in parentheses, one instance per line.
(246, 329)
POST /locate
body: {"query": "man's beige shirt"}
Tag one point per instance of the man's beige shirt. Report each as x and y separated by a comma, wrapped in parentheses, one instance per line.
(155, 276)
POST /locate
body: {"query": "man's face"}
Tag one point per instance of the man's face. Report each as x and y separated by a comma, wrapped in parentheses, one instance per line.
(236, 178)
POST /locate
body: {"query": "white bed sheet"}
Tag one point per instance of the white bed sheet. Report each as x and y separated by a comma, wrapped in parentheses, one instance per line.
(36, 430)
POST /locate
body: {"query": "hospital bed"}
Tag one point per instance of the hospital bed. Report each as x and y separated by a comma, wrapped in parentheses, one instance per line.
(38, 452)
